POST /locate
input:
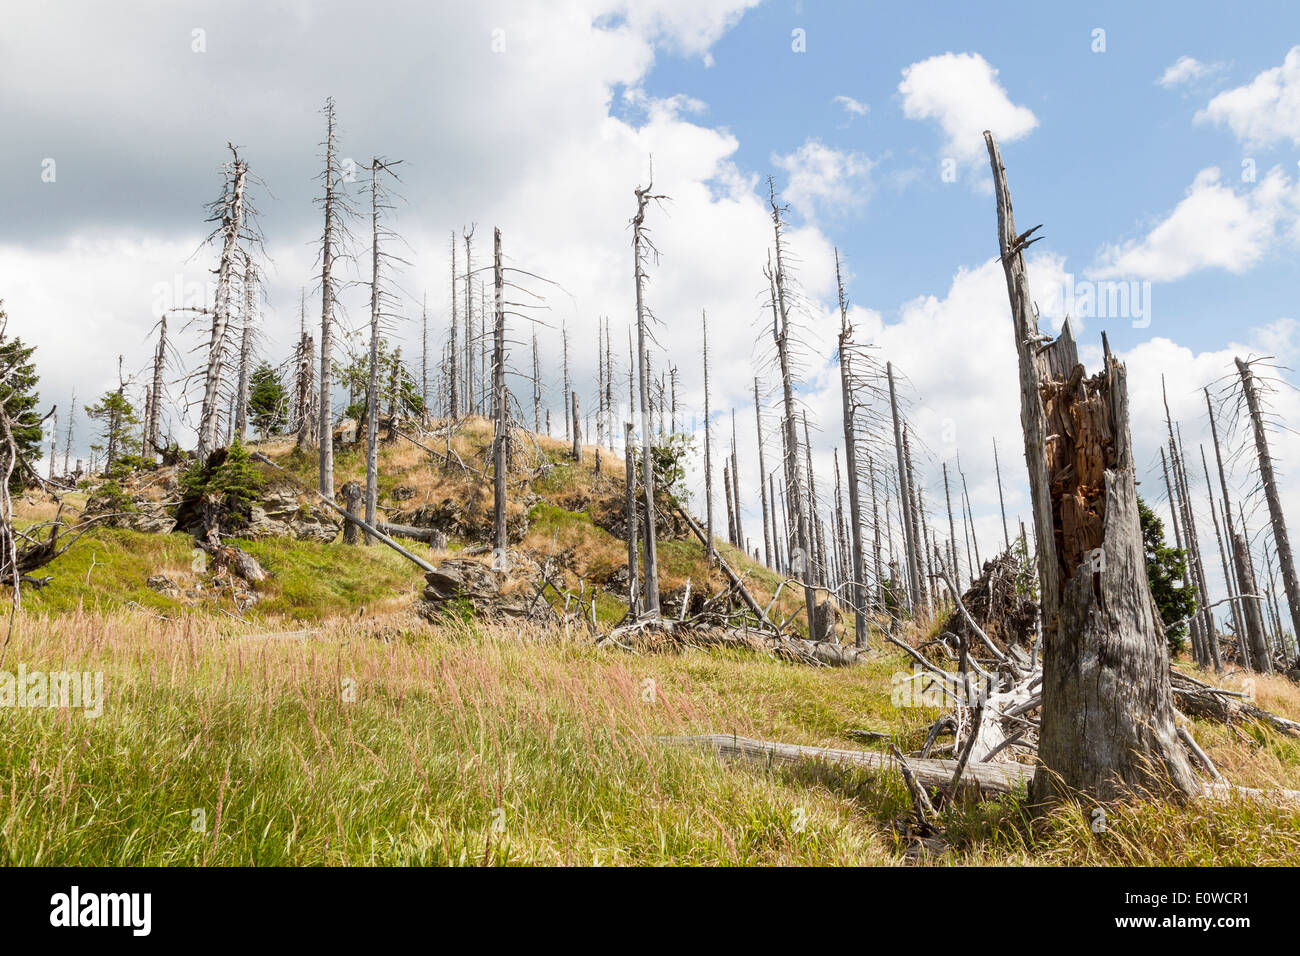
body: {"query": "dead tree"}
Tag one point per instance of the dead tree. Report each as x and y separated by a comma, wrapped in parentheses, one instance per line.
(641, 248)
(735, 484)
(1107, 714)
(909, 542)
(245, 349)
(1282, 543)
(336, 208)
(1261, 660)
(768, 534)
(424, 354)
(731, 502)
(564, 363)
(1229, 535)
(453, 357)
(537, 388)
(305, 392)
(152, 422)
(229, 211)
(848, 408)
(708, 449)
(629, 508)
(997, 469)
(577, 431)
(501, 417)
(377, 257)
(800, 561)
(67, 440)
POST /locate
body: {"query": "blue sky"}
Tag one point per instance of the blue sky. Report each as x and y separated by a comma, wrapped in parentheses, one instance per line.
(1113, 151)
(540, 118)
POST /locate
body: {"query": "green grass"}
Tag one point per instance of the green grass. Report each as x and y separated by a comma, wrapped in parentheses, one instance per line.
(310, 581)
(461, 745)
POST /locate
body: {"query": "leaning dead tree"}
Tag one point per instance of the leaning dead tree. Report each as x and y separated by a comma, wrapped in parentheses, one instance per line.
(1269, 482)
(642, 247)
(1107, 721)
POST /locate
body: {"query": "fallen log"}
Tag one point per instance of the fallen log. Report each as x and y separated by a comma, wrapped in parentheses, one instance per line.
(985, 778)
(427, 535)
(731, 575)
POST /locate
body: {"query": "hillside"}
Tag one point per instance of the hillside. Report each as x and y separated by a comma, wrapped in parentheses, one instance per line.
(328, 723)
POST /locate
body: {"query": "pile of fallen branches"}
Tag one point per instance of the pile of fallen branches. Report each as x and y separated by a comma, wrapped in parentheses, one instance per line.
(1002, 606)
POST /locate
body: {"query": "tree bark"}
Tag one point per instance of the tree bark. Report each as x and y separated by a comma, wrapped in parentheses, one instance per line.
(708, 451)
(1107, 717)
(629, 508)
(325, 427)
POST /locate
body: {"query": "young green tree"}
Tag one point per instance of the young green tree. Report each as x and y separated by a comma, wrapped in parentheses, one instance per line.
(117, 420)
(1166, 567)
(19, 398)
(267, 400)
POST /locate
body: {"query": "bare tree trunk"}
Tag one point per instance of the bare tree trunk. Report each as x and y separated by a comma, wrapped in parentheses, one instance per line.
(643, 197)
(629, 508)
(325, 428)
(848, 410)
(735, 485)
(577, 431)
(372, 378)
(502, 416)
(155, 417)
(1238, 622)
(352, 495)
(1209, 641)
(469, 360)
(1261, 661)
(801, 559)
(232, 223)
(1282, 543)
(1107, 717)
(245, 350)
(909, 542)
(762, 470)
(564, 350)
(305, 389)
(731, 503)
(875, 533)
(72, 416)
(952, 534)
(997, 468)
(453, 357)
(424, 356)
(708, 450)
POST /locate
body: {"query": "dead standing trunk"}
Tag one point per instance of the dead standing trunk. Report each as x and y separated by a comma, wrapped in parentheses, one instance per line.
(1281, 541)
(629, 509)
(651, 590)
(232, 224)
(708, 450)
(848, 410)
(325, 425)
(909, 542)
(1107, 716)
(762, 470)
(501, 429)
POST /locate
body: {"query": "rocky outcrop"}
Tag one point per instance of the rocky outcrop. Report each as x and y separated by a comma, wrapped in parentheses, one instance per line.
(137, 512)
(465, 585)
(455, 519)
(282, 512)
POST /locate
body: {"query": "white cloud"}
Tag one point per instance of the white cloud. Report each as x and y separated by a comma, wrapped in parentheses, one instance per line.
(962, 93)
(1266, 111)
(1187, 70)
(1211, 227)
(820, 178)
(851, 106)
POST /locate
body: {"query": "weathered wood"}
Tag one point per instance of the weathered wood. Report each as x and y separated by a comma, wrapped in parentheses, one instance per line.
(650, 545)
(501, 416)
(734, 578)
(762, 470)
(629, 510)
(1282, 543)
(708, 449)
(332, 208)
(352, 495)
(1107, 717)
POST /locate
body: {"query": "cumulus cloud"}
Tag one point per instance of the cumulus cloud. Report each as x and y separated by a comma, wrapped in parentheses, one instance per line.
(1213, 226)
(851, 107)
(1187, 70)
(961, 92)
(1266, 111)
(822, 179)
